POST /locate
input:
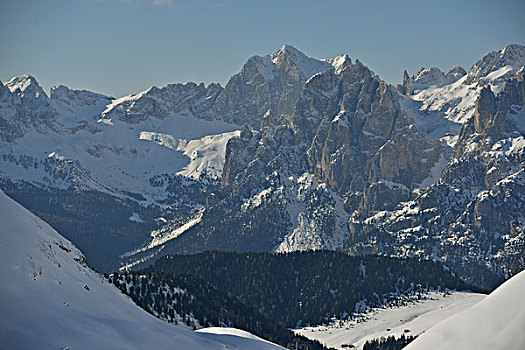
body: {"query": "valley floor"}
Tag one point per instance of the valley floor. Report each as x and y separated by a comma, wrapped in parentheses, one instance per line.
(412, 319)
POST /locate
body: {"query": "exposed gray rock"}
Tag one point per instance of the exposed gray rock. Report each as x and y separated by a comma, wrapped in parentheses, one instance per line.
(23, 106)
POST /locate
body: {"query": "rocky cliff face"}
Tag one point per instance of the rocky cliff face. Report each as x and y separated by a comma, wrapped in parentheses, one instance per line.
(472, 218)
(347, 148)
(162, 149)
(352, 168)
(272, 82)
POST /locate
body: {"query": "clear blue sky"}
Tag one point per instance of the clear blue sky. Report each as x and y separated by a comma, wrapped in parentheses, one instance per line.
(119, 47)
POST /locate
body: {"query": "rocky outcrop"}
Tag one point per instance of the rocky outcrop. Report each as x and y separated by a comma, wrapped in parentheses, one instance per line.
(161, 103)
(272, 82)
(429, 77)
(329, 157)
(23, 106)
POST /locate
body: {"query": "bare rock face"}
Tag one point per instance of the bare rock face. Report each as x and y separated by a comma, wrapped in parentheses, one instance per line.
(363, 137)
(329, 157)
(272, 82)
(404, 88)
(485, 109)
(470, 218)
(238, 152)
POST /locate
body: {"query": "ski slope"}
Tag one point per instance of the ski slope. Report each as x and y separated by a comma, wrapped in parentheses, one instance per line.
(49, 299)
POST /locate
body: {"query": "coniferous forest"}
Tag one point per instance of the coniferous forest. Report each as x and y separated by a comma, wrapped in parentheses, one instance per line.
(389, 343)
(303, 288)
(266, 293)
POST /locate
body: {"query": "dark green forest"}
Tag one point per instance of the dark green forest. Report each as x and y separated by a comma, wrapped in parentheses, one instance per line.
(198, 303)
(305, 288)
(389, 343)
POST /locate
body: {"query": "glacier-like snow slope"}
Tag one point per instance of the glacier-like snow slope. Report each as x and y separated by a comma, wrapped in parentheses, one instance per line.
(49, 299)
(412, 319)
(497, 322)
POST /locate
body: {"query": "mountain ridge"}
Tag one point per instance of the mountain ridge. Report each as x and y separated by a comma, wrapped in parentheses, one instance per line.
(293, 162)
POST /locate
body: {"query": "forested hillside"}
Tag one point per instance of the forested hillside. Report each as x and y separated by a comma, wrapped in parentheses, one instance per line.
(302, 288)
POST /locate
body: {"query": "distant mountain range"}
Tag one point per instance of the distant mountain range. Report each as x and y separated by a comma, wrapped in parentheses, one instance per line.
(294, 153)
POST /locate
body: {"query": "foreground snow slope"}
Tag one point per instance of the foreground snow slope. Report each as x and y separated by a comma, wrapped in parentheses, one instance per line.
(412, 319)
(497, 322)
(49, 299)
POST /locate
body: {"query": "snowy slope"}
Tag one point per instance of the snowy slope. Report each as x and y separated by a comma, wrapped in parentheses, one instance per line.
(456, 100)
(49, 299)
(307, 66)
(220, 332)
(383, 322)
(109, 155)
(497, 322)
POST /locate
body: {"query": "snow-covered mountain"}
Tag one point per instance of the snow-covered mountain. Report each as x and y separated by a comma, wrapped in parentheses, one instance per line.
(76, 145)
(456, 100)
(154, 155)
(497, 322)
(293, 153)
(472, 218)
(430, 77)
(49, 298)
(358, 166)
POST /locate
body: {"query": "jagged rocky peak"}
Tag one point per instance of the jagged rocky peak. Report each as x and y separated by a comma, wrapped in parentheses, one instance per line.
(498, 64)
(469, 217)
(273, 81)
(307, 66)
(25, 85)
(360, 141)
(164, 102)
(347, 146)
(456, 72)
(429, 77)
(65, 94)
(339, 62)
(289, 60)
(24, 105)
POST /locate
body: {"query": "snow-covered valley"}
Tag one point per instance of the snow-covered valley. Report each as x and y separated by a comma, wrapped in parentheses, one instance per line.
(412, 319)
